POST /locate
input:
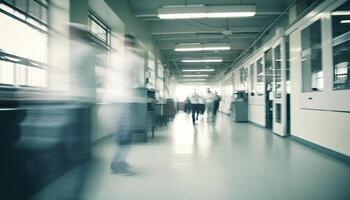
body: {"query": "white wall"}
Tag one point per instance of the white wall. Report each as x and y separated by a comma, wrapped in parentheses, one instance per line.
(319, 117)
(324, 119)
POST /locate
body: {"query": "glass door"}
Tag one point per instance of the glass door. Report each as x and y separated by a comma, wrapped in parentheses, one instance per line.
(269, 89)
(279, 89)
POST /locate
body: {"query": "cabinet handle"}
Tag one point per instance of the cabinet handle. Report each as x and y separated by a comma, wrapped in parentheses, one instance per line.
(310, 98)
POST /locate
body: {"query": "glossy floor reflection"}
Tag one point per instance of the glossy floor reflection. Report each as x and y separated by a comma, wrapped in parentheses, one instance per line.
(221, 161)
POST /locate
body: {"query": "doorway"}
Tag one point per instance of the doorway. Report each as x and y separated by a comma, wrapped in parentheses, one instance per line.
(268, 90)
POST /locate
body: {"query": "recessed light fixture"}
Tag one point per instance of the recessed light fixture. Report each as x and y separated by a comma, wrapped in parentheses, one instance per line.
(195, 75)
(201, 60)
(202, 11)
(198, 70)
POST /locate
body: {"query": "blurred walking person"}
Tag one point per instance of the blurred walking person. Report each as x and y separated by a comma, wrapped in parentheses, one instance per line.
(201, 102)
(216, 103)
(195, 106)
(209, 105)
(187, 105)
(125, 96)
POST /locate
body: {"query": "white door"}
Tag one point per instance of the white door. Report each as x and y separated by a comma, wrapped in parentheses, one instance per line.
(279, 89)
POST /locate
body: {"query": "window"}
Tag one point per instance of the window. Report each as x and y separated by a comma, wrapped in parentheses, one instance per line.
(7, 72)
(278, 113)
(23, 43)
(252, 81)
(260, 77)
(278, 72)
(341, 48)
(312, 73)
(101, 37)
(160, 80)
(243, 72)
(151, 72)
(287, 65)
(99, 29)
(268, 71)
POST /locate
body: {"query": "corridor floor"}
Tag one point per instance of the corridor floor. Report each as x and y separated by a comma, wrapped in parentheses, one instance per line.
(221, 161)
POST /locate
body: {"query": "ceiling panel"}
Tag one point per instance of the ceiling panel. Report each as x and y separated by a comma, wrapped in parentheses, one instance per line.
(239, 32)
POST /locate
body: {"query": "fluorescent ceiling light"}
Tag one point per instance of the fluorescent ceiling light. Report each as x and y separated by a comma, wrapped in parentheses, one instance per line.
(202, 47)
(198, 70)
(182, 16)
(231, 14)
(345, 21)
(195, 75)
(218, 48)
(201, 60)
(201, 11)
(340, 13)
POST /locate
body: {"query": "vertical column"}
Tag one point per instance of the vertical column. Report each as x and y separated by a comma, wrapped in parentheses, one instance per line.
(58, 45)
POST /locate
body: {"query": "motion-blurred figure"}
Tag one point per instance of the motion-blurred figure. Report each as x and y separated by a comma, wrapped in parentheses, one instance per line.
(187, 105)
(216, 103)
(209, 105)
(201, 102)
(125, 95)
(195, 106)
(75, 114)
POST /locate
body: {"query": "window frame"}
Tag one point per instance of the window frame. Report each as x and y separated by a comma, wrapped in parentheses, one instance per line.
(318, 100)
(312, 22)
(92, 16)
(21, 16)
(252, 82)
(338, 40)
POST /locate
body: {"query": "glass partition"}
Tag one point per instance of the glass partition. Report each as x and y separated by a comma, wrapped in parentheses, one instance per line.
(252, 79)
(341, 47)
(260, 77)
(268, 71)
(277, 70)
(312, 72)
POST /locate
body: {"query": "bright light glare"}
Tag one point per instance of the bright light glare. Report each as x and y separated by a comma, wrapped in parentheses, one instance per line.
(198, 70)
(203, 49)
(345, 21)
(340, 13)
(231, 14)
(204, 60)
(182, 16)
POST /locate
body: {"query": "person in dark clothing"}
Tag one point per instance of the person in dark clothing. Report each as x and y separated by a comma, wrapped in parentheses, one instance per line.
(187, 105)
(201, 106)
(195, 106)
(216, 103)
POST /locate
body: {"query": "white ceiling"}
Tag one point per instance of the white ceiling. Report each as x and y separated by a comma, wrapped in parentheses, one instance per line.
(240, 32)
